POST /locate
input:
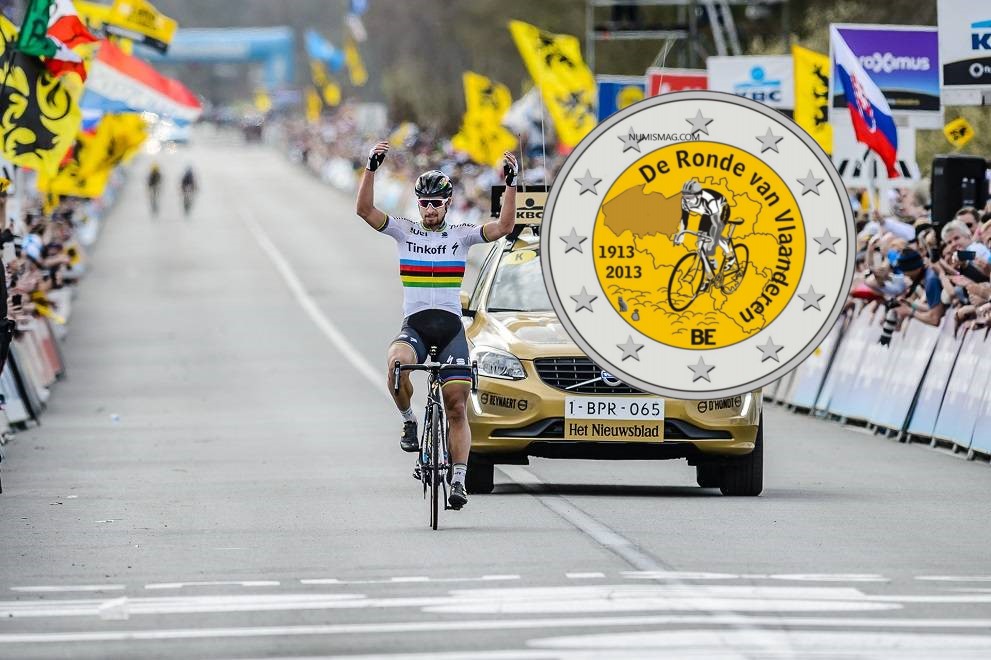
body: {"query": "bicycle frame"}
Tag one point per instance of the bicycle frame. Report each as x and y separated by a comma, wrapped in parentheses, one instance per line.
(434, 467)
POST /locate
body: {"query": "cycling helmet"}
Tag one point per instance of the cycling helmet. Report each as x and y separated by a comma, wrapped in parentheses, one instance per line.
(691, 187)
(433, 184)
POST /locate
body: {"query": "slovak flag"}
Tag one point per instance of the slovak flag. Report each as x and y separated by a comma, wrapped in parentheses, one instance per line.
(869, 110)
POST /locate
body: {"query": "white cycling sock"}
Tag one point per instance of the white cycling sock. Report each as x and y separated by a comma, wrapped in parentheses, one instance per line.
(408, 415)
(460, 469)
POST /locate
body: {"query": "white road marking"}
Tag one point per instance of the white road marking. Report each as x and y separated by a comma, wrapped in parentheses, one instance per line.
(483, 578)
(213, 583)
(534, 600)
(793, 577)
(584, 576)
(954, 578)
(706, 643)
(831, 577)
(321, 581)
(309, 305)
(585, 523)
(44, 589)
(677, 575)
(491, 624)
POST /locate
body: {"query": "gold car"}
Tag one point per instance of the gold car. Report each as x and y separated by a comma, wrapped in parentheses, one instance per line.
(539, 395)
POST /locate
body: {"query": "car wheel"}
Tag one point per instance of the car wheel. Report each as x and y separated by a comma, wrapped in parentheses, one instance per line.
(481, 475)
(708, 475)
(745, 475)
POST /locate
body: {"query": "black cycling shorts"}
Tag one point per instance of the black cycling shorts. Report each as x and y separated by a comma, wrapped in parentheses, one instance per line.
(440, 328)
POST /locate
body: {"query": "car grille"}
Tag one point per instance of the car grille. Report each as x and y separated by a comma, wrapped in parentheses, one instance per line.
(566, 373)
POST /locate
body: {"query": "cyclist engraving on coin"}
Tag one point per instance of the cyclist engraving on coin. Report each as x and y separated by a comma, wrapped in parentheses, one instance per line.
(698, 244)
(699, 237)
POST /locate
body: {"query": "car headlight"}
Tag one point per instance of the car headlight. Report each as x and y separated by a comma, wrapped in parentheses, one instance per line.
(494, 363)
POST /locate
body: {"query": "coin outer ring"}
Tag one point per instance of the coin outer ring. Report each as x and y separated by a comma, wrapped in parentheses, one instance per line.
(670, 364)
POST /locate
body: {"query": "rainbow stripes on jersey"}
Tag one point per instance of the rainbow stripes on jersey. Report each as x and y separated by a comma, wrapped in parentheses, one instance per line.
(433, 274)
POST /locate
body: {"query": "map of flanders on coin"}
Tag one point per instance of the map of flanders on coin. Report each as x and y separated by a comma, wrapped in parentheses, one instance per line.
(698, 245)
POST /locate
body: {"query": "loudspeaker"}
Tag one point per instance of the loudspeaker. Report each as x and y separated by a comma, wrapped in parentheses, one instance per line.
(957, 181)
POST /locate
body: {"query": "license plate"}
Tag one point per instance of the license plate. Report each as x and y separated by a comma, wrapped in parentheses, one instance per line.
(613, 418)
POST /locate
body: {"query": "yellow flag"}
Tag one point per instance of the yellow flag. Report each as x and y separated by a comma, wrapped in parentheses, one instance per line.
(88, 169)
(262, 101)
(313, 105)
(318, 72)
(484, 95)
(481, 135)
(555, 63)
(93, 14)
(812, 95)
(356, 67)
(331, 94)
(39, 113)
(959, 132)
(140, 21)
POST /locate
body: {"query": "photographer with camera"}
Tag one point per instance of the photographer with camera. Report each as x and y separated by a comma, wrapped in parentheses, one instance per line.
(920, 277)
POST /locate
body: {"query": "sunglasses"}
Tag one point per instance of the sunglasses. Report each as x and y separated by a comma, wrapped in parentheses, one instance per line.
(436, 203)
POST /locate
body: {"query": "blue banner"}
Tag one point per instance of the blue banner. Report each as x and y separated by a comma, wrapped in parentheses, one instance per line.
(318, 48)
(617, 92)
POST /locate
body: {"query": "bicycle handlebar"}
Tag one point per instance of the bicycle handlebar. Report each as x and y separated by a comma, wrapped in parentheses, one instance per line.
(703, 236)
(436, 368)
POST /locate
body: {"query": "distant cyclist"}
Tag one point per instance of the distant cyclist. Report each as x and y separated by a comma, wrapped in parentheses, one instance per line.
(711, 205)
(188, 187)
(432, 255)
(154, 187)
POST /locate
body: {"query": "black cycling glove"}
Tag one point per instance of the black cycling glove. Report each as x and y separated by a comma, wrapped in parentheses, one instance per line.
(374, 160)
(509, 171)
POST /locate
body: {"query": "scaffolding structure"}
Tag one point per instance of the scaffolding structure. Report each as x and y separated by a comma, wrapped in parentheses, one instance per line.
(685, 27)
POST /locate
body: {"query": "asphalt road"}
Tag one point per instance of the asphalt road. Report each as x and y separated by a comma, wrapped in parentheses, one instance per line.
(219, 477)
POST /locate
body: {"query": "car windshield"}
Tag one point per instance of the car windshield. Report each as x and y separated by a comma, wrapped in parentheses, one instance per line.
(519, 284)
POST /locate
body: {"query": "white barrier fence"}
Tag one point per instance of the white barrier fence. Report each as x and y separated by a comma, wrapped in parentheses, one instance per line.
(929, 383)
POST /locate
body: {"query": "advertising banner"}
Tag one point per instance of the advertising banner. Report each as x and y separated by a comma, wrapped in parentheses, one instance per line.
(981, 439)
(912, 349)
(810, 374)
(664, 80)
(856, 165)
(836, 394)
(965, 44)
(769, 79)
(617, 92)
(957, 414)
(903, 61)
(977, 410)
(934, 384)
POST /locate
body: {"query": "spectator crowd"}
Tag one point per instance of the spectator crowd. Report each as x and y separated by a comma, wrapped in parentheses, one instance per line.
(915, 267)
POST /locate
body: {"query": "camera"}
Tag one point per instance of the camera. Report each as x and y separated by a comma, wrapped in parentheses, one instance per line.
(890, 322)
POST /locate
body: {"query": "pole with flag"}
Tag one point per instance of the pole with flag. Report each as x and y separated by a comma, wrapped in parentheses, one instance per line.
(873, 123)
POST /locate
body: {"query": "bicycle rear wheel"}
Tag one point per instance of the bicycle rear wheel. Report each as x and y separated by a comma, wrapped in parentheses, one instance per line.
(436, 431)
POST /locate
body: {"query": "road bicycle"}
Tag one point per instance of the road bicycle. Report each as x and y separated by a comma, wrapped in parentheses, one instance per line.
(694, 272)
(187, 200)
(433, 465)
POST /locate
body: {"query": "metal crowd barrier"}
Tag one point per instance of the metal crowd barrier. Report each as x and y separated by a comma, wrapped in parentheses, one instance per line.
(929, 385)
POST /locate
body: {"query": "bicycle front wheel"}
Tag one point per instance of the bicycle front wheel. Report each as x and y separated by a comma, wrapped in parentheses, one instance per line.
(436, 442)
(686, 282)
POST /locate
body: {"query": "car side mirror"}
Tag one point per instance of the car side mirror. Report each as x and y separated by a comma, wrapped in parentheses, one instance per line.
(465, 300)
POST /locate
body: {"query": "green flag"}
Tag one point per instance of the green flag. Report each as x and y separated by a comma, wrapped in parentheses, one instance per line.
(34, 32)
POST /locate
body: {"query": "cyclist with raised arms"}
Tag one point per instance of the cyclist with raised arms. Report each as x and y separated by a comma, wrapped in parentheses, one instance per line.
(432, 254)
(711, 205)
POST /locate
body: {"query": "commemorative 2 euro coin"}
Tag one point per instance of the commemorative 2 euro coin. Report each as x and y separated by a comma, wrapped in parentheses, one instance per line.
(698, 245)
